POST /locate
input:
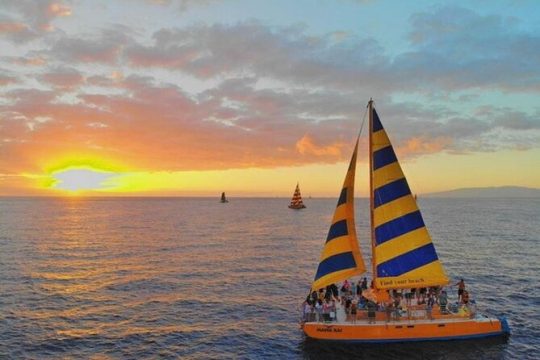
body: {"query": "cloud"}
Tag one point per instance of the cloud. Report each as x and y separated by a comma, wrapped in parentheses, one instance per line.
(457, 48)
(416, 146)
(277, 96)
(15, 31)
(105, 47)
(65, 78)
(30, 18)
(182, 5)
(12, 27)
(306, 145)
(287, 54)
(30, 61)
(464, 51)
(6, 80)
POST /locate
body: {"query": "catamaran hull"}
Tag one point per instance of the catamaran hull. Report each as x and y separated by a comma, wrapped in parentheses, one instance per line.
(297, 207)
(406, 332)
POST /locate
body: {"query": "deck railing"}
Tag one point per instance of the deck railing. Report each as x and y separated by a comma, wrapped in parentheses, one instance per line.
(389, 315)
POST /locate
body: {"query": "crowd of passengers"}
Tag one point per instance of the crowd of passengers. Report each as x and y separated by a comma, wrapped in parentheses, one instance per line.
(354, 298)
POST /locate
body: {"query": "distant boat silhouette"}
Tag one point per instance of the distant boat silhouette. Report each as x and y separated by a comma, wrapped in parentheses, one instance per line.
(223, 198)
(296, 201)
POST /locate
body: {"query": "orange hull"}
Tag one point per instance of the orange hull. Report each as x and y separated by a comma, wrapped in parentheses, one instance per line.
(402, 331)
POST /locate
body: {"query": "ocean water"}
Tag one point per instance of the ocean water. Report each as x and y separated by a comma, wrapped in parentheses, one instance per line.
(103, 278)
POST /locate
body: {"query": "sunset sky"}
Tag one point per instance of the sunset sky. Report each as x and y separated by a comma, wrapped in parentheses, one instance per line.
(195, 97)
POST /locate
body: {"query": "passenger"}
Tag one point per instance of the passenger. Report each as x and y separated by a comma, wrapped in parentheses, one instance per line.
(429, 308)
(328, 293)
(408, 295)
(359, 288)
(371, 306)
(388, 309)
(326, 311)
(443, 301)
(318, 310)
(348, 309)
(308, 309)
(430, 300)
(345, 288)
(333, 316)
(314, 297)
(397, 303)
(364, 284)
(320, 295)
(404, 306)
(335, 291)
(354, 306)
(461, 288)
(413, 301)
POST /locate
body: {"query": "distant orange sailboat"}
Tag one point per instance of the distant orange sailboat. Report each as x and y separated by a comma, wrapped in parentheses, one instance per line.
(296, 201)
(403, 258)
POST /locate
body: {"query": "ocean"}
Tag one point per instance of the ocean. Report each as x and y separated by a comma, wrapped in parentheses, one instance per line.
(191, 278)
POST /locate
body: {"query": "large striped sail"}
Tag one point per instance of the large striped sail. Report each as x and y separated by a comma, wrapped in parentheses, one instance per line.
(341, 257)
(403, 254)
(296, 201)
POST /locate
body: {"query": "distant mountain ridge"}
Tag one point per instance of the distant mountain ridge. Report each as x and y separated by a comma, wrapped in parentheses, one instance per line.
(489, 192)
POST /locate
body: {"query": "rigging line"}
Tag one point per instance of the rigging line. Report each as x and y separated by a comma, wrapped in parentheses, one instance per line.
(363, 121)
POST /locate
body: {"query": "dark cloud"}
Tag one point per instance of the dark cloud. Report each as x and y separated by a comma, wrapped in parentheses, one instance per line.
(104, 47)
(63, 78)
(288, 54)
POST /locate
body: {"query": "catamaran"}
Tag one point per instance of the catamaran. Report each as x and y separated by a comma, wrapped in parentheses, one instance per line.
(296, 201)
(403, 257)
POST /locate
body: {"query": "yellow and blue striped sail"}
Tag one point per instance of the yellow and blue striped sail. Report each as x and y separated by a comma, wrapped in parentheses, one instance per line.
(404, 255)
(341, 258)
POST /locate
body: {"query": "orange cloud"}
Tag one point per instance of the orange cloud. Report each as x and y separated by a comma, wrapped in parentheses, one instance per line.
(12, 27)
(32, 61)
(421, 146)
(5, 80)
(306, 145)
(56, 9)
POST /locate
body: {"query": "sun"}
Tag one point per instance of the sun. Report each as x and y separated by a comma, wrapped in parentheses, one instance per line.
(76, 174)
(81, 179)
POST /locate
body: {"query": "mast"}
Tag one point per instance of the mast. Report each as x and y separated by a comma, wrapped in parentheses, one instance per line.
(371, 201)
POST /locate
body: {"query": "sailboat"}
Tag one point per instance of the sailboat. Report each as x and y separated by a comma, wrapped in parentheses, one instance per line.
(296, 201)
(403, 257)
(223, 198)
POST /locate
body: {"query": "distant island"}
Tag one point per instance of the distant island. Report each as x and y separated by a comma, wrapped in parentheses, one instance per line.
(488, 192)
